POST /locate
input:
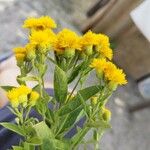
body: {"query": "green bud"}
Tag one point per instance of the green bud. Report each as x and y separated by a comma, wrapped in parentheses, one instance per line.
(106, 114)
(89, 50)
(93, 100)
(69, 52)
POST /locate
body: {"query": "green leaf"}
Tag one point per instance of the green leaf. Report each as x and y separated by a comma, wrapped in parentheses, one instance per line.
(17, 148)
(75, 73)
(35, 141)
(76, 102)
(48, 139)
(14, 128)
(60, 85)
(28, 146)
(69, 120)
(54, 144)
(7, 88)
(43, 130)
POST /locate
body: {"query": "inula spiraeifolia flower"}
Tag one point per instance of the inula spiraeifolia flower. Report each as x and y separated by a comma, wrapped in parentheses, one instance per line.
(20, 95)
(111, 73)
(41, 23)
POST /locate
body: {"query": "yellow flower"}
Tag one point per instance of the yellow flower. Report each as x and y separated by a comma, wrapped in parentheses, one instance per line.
(66, 39)
(24, 90)
(106, 52)
(98, 64)
(20, 57)
(89, 39)
(34, 96)
(43, 39)
(19, 50)
(41, 23)
(115, 75)
(18, 95)
(20, 54)
(103, 40)
(103, 46)
(111, 72)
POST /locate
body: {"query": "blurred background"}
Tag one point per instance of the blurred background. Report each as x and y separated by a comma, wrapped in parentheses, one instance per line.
(127, 22)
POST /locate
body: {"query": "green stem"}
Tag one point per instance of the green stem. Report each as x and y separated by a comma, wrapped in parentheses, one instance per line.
(27, 114)
(80, 136)
(74, 88)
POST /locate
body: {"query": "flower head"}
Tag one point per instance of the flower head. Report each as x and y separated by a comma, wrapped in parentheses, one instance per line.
(103, 46)
(66, 39)
(111, 72)
(41, 23)
(20, 54)
(88, 39)
(98, 64)
(115, 75)
(18, 95)
(42, 39)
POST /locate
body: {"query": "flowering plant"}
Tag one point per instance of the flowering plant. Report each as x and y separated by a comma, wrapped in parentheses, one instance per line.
(74, 58)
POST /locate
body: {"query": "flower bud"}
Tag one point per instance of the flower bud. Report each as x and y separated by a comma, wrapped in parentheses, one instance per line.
(69, 52)
(94, 100)
(106, 114)
(20, 57)
(89, 50)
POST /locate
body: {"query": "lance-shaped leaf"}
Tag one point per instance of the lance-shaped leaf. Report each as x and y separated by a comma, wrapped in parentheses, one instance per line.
(76, 102)
(14, 128)
(75, 73)
(7, 88)
(60, 85)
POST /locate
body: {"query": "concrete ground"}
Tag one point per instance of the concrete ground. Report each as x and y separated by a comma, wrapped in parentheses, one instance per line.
(129, 131)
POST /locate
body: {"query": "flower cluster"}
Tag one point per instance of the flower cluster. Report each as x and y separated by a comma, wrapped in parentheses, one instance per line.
(22, 95)
(65, 42)
(109, 70)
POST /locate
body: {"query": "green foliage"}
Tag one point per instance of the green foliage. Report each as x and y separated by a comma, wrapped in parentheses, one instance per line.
(48, 138)
(75, 73)
(7, 88)
(75, 102)
(18, 148)
(14, 128)
(60, 85)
